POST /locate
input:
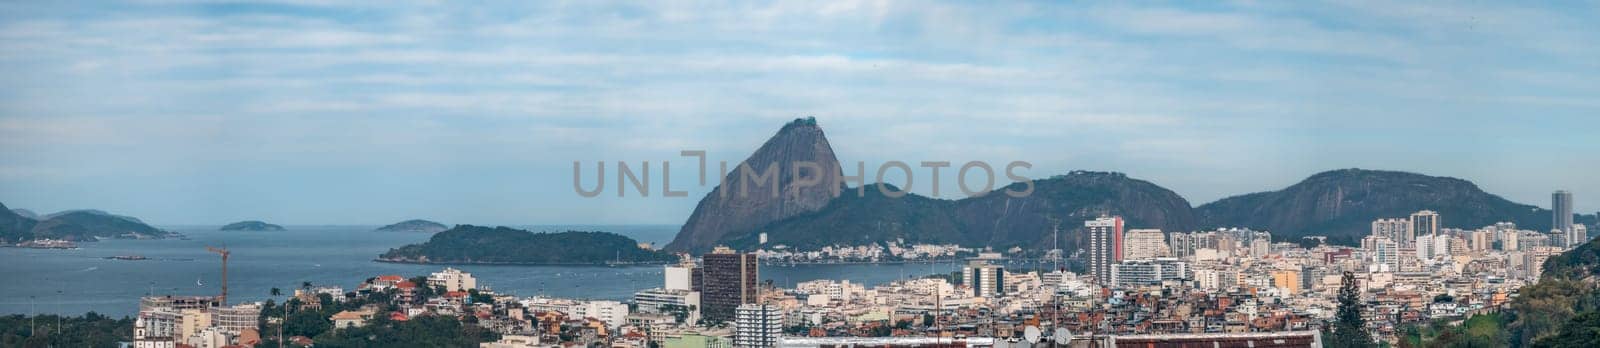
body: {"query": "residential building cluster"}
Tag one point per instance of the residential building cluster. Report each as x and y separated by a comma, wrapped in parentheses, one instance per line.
(1137, 285)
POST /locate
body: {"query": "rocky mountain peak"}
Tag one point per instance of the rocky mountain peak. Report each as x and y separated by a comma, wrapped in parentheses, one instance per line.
(744, 200)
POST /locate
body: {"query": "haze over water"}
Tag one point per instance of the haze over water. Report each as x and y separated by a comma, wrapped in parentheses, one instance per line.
(83, 280)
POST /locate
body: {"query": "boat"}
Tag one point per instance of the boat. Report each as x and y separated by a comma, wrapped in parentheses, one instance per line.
(127, 257)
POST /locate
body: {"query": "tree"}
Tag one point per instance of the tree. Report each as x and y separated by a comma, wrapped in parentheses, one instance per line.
(1581, 331)
(305, 285)
(1349, 329)
(277, 292)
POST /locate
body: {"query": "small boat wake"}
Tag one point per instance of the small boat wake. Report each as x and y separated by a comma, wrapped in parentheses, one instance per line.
(90, 269)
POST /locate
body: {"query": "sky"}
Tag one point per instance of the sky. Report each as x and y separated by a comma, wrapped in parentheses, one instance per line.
(312, 112)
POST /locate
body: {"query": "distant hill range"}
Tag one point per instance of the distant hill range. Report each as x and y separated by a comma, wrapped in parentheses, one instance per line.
(468, 244)
(1343, 203)
(1339, 204)
(74, 225)
(250, 225)
(419, 226)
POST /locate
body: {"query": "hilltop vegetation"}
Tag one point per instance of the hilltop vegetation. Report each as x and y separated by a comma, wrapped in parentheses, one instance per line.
(251, 225)
(73, 225)
(504, 245)
(415, 225)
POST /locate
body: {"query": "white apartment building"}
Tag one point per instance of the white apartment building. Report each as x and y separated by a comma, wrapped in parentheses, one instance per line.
(666, 301)
(1130, 273)
(1382, 251)
(613, 313)
(1145, 244)
(237, 318)
(757, 326)
(453, 280)
(680, 277)
(837, 290)
(156, 328)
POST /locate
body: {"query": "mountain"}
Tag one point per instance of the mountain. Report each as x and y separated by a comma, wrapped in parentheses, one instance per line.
(740, 206)
(250, 225)
(859, 220)
(1563, 308)
(13, 227)
(88, 211)
(504, 245)
(26, 213)
(74, 225)
(423, 226)
(1342, 204)
(994, 219)
(86, 225)
(1067, 201)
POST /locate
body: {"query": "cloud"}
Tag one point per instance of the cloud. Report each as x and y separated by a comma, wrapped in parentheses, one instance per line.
(1169, 89)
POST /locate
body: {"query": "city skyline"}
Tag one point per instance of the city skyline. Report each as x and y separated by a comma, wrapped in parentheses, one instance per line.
(304, 113)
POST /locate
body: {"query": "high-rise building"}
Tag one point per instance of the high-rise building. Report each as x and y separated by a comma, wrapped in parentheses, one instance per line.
(1260, 247)
(728, 280)
(1105, 246)
(1382, 251)
(1288, 280)
(1144, 244)
(1426, 246)
(678, 277)
(1422, 222)
(1182, 244)
(1392, 228)
(1481, 240)
(1136, 272)
(757, 326)
(1561, 211)
(984, 279)
(156, 328)
(452, 280)
(675, 302)
(1578, 236)
(237, 318)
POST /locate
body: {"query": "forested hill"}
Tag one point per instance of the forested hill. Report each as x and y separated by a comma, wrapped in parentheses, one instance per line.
(504, 245)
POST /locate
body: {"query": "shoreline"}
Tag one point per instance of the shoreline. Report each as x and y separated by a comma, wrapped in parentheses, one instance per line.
(483, 263)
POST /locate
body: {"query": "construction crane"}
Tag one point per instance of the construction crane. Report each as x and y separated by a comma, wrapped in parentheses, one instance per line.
(224, 252)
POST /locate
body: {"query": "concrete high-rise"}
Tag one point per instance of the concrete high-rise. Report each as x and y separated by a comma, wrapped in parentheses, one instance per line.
(728, 280)
(1561, 211)
(1422, 222)
(1145, 244)
(1105, 246)
(1391, 228)
(757, 326)
(984, 279)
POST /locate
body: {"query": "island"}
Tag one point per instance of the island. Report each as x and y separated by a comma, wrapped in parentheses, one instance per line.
(62, 230)
(421, 226)
(251, 225)
(468, 244)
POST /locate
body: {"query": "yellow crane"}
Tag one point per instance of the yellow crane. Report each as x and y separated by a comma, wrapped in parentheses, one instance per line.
(224, 252)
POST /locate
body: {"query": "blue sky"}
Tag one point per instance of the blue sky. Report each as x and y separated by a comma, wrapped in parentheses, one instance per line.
(310, 112)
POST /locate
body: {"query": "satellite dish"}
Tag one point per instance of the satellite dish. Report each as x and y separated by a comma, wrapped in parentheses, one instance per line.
(1031, 333)
(1063, 336)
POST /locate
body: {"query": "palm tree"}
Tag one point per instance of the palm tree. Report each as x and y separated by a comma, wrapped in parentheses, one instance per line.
(305, 285)
(277, 292)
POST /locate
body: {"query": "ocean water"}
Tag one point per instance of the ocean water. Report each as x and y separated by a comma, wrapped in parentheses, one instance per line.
(83, 280)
